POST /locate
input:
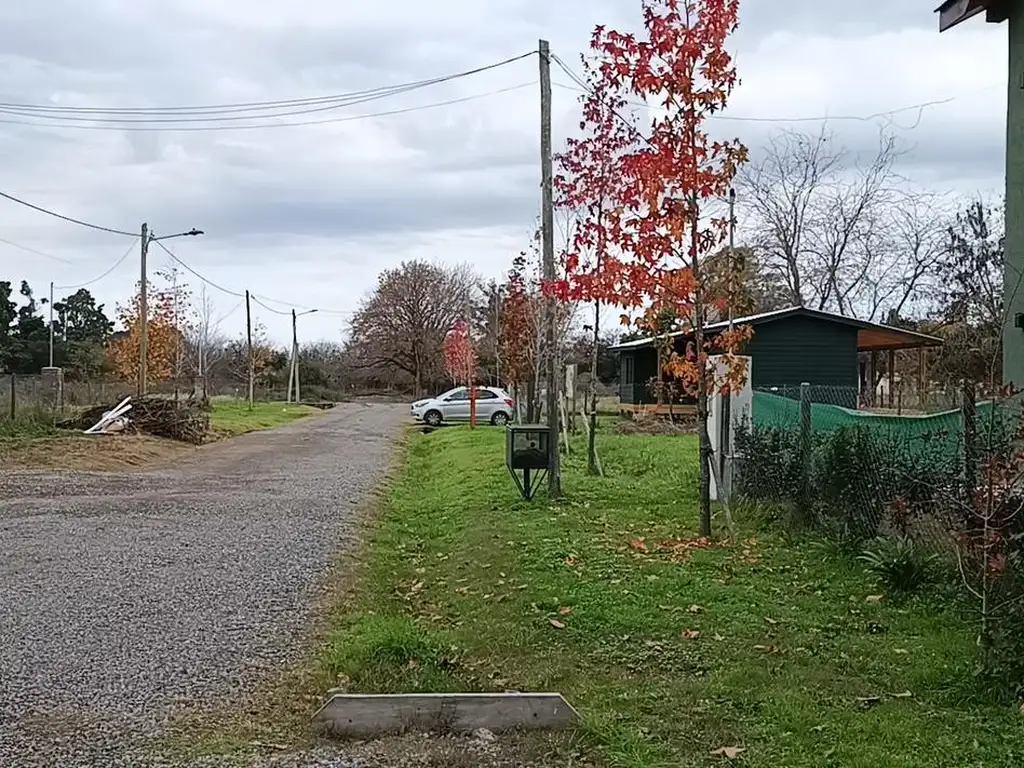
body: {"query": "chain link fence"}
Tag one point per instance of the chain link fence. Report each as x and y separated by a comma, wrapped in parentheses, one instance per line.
(857, 475)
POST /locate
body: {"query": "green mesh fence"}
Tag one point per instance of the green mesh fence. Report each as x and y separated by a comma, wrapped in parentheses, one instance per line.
(861, 475)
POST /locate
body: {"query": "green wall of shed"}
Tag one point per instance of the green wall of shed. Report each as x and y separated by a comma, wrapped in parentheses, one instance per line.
(785, 354)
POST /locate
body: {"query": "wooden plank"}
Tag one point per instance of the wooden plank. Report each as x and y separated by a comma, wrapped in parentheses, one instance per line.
(369, 715)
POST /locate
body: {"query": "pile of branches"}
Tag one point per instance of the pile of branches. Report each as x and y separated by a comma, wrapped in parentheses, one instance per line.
(187, 421)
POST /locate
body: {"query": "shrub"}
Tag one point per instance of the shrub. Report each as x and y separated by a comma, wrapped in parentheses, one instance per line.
(899, 564)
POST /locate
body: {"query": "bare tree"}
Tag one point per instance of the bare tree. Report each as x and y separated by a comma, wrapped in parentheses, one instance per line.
(971, 309)
(400, 326)
(842, 235)
(205, 343)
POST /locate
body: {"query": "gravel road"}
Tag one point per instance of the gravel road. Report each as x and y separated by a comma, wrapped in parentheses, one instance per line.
(125, 597)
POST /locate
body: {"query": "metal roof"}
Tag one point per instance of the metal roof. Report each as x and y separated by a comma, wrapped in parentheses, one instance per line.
(913, 338)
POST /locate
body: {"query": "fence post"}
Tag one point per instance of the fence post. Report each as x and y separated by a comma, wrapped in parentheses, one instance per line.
(969, 420)
(805, 453)
(14, 404)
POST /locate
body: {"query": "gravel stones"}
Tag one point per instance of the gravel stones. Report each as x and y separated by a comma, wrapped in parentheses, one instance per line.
(125, 597)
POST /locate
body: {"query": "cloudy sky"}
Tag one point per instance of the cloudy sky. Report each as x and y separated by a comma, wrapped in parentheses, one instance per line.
(309, 214)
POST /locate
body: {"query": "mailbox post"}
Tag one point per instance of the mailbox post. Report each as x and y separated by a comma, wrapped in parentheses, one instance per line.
(527, 452)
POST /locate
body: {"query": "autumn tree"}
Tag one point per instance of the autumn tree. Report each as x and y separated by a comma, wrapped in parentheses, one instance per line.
(459, 354)
(401, 325)
(588, 182)
(672, 178)
(164, 339)
(516, 338)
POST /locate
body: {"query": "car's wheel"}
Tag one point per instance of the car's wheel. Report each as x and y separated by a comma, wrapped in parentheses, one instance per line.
(500, 419)
(432, 418)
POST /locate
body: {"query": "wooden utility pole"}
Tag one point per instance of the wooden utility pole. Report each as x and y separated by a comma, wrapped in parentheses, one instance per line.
(143, 312)
(248, 338)
(291, 363)
(548, 251)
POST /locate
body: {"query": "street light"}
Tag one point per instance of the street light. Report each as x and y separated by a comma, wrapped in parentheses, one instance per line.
(147, 237)
(293, 372)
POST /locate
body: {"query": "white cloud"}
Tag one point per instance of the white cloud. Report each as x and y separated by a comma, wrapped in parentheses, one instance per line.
(311, 214)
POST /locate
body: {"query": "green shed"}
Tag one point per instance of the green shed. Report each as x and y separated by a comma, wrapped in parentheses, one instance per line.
(836, 355)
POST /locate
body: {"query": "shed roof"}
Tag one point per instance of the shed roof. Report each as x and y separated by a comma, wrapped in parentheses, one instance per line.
(870, 337)
(953, 12)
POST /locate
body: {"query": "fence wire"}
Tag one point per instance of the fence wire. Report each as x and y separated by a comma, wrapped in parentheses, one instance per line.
(857, 475)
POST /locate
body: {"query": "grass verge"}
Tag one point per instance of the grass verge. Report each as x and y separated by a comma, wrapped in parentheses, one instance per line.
(230, 417)
(671, 648)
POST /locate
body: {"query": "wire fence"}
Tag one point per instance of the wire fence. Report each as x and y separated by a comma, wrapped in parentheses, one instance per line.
(859, 475)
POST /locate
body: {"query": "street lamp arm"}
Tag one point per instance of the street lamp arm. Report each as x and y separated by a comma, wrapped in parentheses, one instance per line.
(191, 233)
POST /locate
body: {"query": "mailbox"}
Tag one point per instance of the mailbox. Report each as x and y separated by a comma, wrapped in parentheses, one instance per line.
(527, 450)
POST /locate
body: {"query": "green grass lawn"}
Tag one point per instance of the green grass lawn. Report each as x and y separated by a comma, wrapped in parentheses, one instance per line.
(669, 648)
(230, 417)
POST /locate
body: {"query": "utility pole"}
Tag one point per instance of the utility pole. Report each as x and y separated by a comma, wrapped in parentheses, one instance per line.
(143, 312)
(291, 362)
(51, 323)
(248, 338)
(548, 251)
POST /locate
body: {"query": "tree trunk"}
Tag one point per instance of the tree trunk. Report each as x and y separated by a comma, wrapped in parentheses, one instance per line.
(704, 439)
(592, 467)
(531, 401)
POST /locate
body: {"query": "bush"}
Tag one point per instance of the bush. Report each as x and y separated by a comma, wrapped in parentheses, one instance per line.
(855, 475)
(899, 565)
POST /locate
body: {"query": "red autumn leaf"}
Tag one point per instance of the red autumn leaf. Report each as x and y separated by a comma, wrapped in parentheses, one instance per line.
(459, 355)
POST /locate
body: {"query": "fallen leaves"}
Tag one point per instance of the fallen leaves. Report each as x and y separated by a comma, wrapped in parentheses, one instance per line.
(556, 623)
(677, 550)
(873, 599)
(565, 610)
(691, 634)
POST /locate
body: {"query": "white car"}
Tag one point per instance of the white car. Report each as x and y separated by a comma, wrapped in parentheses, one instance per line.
(493, 406)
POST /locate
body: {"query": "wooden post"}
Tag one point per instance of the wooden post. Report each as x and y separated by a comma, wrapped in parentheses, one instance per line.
(874, 379)
(892, 376)
(922, 378)
(143, 313)
(548, 253)
(248, 340)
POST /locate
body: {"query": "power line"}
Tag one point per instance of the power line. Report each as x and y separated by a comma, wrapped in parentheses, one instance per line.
(269, 105)
(307, 308)
(269, 309)
(241, 294)
(291, 124)
(25, 248)
(582, 87)
(61, 216)
(189, 269)
(117, 264)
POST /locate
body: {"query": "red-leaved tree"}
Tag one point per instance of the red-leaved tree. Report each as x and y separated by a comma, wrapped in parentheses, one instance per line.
(516, 337)
(588, 183)
(459, 355)
(680, 62)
